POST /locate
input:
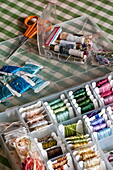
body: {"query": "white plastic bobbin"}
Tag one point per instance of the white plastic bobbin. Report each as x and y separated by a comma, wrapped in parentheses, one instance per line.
(50, 165)
(110, 77)
(109, 109)
(89, 93)
(74, 101)
(62, 96)
(111, 83)
(71, 112)
(61, 129)
(70, 93)
(46, 103)
(87, 87)
(79, 126)
(76, 53)
(91, 97)
(68, 105)
(101, 101)
(95, 103)
(79, 110)
(93, 84)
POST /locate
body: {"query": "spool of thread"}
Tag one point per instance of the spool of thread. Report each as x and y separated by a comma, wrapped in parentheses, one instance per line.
(54, 152)
(108, 93)
(49, 144)
(102, 134)
(69, 50)
(71, 37)
(31, 107)
(77, 137)
(108, 99)
(63, 116)
(71, 129)
(95, 122)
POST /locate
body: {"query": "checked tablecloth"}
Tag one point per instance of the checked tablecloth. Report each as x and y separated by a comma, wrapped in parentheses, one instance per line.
(61, 75)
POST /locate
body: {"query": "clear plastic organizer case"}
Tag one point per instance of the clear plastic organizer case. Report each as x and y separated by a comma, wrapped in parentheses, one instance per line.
(55, 132)
(86, 31)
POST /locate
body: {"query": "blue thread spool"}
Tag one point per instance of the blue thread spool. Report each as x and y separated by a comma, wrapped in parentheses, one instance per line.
(97, 121)
(104, 133)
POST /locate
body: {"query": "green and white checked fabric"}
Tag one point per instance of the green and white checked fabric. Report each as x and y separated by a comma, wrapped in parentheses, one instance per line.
(61, 75)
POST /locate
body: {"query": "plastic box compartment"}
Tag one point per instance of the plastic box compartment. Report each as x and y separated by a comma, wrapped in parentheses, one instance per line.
(32, 106)
(64, 101)
(90, 93)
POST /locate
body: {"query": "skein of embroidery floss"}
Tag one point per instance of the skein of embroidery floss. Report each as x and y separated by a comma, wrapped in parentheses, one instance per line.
(49, 141)
(101, 82)
(4, 92)
(95, 114)
(65, 162)
(30, 107)
(83, 99)
(19, 85)
(71, 129)
(39, 84)
(31, 67)
(52, 152)
(60, 109)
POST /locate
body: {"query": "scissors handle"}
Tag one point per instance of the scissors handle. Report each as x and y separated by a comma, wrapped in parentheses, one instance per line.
(32, 29)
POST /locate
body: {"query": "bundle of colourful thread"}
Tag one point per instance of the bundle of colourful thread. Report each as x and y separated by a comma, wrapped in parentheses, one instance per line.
(104, 91)
(16, 80)
(50, 146)
(35, 116)
(99, 124)
(83, 99)
(60, 109)
(62, 163)
(74, 135)
(88, 157)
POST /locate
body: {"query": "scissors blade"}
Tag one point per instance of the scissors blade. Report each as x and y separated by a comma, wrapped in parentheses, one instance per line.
(23, 40)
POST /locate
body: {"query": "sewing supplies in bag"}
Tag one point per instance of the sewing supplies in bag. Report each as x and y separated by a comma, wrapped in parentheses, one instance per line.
(35, 116)
(83, 99)
(60, 109)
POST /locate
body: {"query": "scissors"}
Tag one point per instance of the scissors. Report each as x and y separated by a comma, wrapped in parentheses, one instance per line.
(31, 31)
